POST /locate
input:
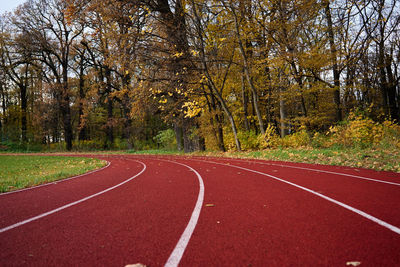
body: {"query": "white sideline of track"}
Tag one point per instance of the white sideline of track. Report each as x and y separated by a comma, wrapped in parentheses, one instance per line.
(180, 247)
(316, 170)
(72, 203)
(357, 211)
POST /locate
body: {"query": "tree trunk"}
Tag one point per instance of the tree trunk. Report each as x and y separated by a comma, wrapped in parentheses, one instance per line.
(179, 135)
(65, 108)
(215, 122)
(393, 108)
(282, 113)
(245, 101)
(227, 112)
(335, 68)
(211, 84)
(382, 77)
(66, 114)
(82, 124)
(3, 105)
(24, 104)
(110, 117)
(174, 26)
(248, 75)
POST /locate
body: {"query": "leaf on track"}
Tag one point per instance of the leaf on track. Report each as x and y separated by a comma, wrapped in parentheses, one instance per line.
(210, 205)
(353, 263)
(135, 265)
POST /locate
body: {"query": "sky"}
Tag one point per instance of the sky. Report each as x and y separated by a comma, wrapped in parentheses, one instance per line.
(9, 5)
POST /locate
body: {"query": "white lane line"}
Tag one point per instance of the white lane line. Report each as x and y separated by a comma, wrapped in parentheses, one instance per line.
(180, 247)
(72, 203)
(56, 182)
(359, 212)
(316, 170)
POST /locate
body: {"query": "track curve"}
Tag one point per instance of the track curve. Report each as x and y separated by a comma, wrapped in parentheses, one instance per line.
(239, 216)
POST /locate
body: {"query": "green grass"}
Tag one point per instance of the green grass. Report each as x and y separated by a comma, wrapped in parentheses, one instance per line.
(21, 171)
(377, 159)
(154, 152)
(369, 158)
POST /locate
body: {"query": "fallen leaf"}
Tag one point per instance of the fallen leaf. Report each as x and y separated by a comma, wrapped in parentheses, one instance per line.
(135, 265)
(210, 205)
(353, 263)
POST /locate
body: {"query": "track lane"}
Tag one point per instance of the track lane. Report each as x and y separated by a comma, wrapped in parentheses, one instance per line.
(259, 221)
(351, 172)
(138, 222)
(380, 200)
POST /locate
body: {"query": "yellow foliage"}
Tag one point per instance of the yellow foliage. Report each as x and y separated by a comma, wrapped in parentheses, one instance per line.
(192, 109)
(163, 101)
(296, 140)
(364, 132)
(270, 139)
(194, 52)
(178, 54)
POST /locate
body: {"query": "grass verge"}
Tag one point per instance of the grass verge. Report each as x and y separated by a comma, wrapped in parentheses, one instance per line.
(154, 152)
(376, 159)
(21, 171)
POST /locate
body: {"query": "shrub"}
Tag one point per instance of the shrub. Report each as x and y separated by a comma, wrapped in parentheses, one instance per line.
(270, 139)
(229, 140)
(166, 139)
(87, 145)
(358, 131)
(20, 147)
(248, 140)
(320, 140)
(391, 134)
(296, 140)
(120, 144)
(363, 132)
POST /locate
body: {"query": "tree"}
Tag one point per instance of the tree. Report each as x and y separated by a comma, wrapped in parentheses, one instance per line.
(51, 38)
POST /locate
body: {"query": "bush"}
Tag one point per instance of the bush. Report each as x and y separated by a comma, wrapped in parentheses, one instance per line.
(359, 131)
(20, 147)
(87, 145)
(248, 140)
(270, 139)
(296, 140)
(320, 140)
(391, 134)
(166, 139)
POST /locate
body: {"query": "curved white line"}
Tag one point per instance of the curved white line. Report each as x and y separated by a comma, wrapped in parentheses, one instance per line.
(316, 170)
(180, 247)
(359, 212)
(57, 181)
(71, 204)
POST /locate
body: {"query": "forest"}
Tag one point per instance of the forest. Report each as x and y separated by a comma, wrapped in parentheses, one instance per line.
(199, 74)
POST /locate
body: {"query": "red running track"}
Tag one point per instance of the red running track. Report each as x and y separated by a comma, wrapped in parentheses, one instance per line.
(150, 210)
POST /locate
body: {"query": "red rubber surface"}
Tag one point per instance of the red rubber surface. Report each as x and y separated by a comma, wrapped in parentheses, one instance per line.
(254, 220)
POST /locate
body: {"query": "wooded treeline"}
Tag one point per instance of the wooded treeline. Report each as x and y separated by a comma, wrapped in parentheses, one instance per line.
(114, 73)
